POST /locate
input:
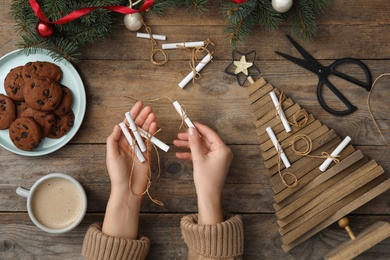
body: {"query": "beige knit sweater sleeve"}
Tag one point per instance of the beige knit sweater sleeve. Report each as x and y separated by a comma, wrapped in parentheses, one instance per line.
(220, 241)
(98, 246)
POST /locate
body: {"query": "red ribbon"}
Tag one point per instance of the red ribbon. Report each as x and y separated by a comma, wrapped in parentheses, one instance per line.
(80, 12)
(239, 1)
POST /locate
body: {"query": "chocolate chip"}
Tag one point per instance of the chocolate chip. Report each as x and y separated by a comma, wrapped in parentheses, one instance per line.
(64, 110)
(27, 76)
(2, 101)
(25, 127)
(35, 68)
(3, 108)
(33, 85)
(24, 135)
(40, 102)
(17, 139)
(15, 90)
(46, 93)
(28, 63)
(70, 123)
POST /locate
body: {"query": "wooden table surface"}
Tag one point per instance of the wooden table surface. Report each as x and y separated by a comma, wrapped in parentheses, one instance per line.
(120, 67)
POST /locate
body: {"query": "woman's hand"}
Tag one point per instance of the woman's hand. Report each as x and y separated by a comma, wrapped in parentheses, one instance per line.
(129, 177)
(211, 159)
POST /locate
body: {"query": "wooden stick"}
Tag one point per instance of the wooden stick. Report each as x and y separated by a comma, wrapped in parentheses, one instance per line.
(279, 129)
(289, 112)
(344, 223)
(349, 164)
(306, 177)
(261, 92)
(258, 84)
(272, 114)
(344, 207)
(261, 102)
(330, 137)
(292, 157)
(368, 238)
(286, 140)
(304, 224)
(333, 193)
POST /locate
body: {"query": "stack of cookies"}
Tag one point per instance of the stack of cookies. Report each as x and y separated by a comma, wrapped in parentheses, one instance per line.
(37, 105)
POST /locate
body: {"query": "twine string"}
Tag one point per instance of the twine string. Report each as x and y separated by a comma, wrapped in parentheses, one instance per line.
(154, 51)
(286, 173)
(149, 173)
(299, 119)
(309, 146)
(370, 111)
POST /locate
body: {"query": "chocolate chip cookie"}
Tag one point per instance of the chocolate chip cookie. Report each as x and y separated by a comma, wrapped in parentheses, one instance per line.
(21, 106)
(45, 119)
(42, 93)
(7, 112)
(42, 69)
(25, 133)
(14, 82)
(62, 125)
(66, 103)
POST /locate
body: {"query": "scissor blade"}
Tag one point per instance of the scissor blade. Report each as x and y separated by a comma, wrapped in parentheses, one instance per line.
(303, 52)
(303, 63)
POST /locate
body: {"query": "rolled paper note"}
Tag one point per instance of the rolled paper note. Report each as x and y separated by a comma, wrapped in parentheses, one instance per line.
(133, 128)
(155, 36)
(279, 108)
(167, 46)
(183, 114)
(135, 148)
(335, 153)
(153, 139)
(198, 68)
(278, 147)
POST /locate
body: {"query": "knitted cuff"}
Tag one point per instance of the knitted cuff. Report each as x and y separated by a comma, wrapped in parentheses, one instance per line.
(223, 240)
(100, 246)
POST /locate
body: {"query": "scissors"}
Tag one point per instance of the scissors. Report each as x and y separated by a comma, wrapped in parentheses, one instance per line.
(311, 64)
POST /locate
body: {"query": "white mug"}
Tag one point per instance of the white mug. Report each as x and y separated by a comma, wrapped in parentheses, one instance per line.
(56, 203)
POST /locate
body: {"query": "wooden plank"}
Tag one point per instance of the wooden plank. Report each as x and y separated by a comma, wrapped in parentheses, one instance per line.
(278, 128)
(368, 238)
(272, 114)
(289, 114)
(285, 140)
(328, 209)
(261, 92)
(317, 201)
(348, 165)
(287, 196)
(261, 82)
(292, 157)
(262, 111)
(296, 166)
(344, 207)
(261, 102)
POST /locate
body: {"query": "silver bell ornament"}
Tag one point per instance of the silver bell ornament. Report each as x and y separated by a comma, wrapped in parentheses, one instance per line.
(133, 22)
(282, 6)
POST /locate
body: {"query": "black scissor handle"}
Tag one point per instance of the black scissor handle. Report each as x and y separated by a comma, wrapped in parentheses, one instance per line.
(350, 108)
(367, 85)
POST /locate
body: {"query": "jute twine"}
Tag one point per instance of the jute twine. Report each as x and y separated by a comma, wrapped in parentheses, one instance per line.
(370, 111)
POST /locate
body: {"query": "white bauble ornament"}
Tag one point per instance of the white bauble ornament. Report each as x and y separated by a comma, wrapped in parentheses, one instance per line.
(282, 6)
(133, 22)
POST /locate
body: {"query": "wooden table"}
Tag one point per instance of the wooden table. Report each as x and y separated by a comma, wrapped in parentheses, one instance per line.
(120, 67)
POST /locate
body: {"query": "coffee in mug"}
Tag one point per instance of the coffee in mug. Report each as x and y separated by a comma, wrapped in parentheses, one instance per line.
(56, 203)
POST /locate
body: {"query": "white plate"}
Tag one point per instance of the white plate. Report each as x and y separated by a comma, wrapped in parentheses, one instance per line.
(70, 78)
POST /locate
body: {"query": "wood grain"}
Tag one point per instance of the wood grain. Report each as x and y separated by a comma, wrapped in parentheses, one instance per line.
(119, 67)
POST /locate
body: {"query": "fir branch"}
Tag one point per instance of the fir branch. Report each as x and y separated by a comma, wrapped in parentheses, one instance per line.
(302, 20)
